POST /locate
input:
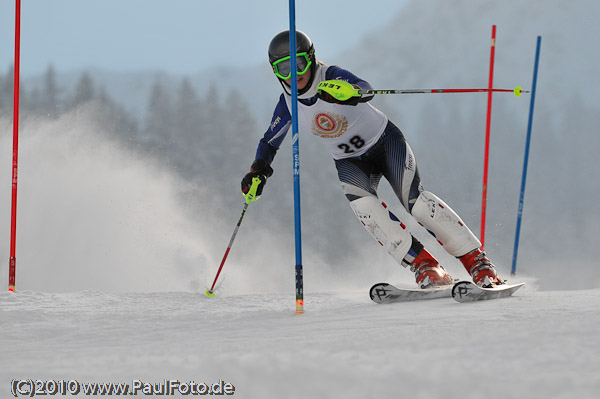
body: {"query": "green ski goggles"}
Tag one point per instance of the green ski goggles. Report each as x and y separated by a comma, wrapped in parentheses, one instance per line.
(283, 67)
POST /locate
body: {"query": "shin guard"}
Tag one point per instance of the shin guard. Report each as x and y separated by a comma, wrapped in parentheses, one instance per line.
(383, 226)
(437, 217)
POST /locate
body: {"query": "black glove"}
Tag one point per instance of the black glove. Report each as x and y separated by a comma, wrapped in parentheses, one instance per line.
(261, 169)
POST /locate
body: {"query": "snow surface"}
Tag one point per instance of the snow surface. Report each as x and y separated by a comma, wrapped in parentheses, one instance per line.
(535, 344)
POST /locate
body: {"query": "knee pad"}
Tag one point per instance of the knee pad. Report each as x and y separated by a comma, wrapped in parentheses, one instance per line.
(383, 226)
(437, 217)
(353, 192)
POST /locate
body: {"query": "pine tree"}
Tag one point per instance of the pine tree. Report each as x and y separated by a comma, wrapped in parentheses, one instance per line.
(159, 121)
(189, 116)
(84, 91)
(238, 124)
(114, 118)
(6, 92)
(49, 97)
(212, 132)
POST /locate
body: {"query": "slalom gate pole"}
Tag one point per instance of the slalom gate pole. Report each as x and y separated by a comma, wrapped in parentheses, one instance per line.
(526, 160)
(487, 138)
(517, 91)
(250, 197)
(12, 262)
(296, 163)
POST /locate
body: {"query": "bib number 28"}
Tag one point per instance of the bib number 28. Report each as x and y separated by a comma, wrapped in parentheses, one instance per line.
(353, 144)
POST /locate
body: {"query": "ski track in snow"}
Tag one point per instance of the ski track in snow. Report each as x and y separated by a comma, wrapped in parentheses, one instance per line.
(536, 344)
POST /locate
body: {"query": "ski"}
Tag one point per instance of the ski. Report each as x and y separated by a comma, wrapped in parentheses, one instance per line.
(387, 293)
(466, 291)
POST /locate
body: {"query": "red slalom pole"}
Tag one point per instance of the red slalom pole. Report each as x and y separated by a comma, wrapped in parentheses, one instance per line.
(487, 137)
(12, 262)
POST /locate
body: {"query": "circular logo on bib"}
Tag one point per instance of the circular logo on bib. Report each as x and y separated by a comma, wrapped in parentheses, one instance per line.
(326, 124)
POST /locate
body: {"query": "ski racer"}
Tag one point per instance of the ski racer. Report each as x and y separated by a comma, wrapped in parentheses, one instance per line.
(366, 146)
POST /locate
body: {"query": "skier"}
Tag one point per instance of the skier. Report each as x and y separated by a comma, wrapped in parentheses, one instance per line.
(365, 146)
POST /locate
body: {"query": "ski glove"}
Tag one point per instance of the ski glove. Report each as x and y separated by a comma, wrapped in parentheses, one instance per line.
(339, 92)
(260, 168)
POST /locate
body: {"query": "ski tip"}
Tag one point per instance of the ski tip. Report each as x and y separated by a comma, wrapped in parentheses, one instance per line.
(210, 293)
(374, 292)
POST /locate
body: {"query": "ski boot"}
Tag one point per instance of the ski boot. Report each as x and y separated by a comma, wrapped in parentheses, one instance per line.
(480, 268)
(428, 272)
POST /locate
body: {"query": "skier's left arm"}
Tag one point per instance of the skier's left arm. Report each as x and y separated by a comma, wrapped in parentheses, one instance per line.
(342, 87)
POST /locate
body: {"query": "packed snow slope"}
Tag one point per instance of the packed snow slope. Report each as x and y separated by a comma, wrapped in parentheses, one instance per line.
(536, 344)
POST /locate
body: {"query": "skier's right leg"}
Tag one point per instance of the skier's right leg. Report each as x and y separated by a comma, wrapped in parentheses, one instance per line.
(360, 189)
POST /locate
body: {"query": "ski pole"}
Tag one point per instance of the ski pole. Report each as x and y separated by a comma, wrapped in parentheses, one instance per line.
(517, 91)
(250, 197)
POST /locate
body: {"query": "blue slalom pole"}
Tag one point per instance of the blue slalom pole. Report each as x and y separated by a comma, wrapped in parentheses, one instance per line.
(529, 125)
(296, 162)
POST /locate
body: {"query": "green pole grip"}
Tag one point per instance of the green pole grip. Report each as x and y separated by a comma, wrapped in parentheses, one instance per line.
(251, 195)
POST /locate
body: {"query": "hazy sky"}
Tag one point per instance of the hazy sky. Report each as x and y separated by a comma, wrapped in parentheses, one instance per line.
(181, 36)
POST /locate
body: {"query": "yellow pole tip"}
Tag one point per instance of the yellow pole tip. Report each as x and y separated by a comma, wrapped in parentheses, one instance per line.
(210, 293)
(518, 91)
